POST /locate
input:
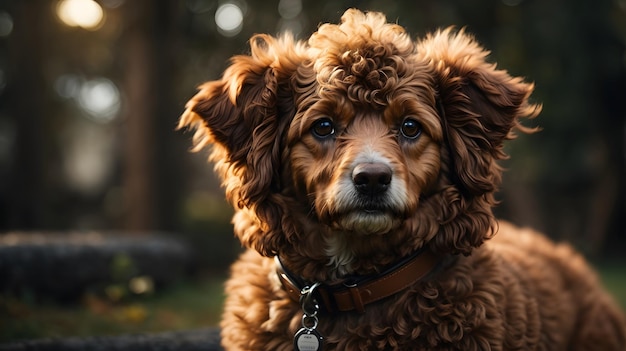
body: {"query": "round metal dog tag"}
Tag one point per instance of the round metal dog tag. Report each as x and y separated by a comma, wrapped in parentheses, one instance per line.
(307, 340)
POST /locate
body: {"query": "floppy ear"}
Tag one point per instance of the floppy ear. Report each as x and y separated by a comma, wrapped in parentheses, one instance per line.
(244, 116)
(479, 107)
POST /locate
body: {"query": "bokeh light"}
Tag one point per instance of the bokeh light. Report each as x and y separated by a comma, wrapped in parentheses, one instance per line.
(68, 85)
(200, 6)
(88, 156)
(289, 9)
(100, 98)
(229, 19)
(6, 24)
(86, 14)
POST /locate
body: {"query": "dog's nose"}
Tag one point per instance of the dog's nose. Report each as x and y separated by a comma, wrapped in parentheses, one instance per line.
(371, 178)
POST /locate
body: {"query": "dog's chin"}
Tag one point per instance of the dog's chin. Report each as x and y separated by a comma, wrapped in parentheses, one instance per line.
(366, 222)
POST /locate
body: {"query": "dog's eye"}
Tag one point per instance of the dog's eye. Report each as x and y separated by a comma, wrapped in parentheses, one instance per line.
(323, 128)
(411, 129)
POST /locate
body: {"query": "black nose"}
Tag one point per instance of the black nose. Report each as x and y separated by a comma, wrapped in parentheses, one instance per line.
(371, 178)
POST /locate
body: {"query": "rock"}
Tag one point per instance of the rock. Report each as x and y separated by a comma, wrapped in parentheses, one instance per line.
(62, 266)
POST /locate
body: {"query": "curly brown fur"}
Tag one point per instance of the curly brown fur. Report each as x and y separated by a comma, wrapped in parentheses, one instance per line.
(290, 125)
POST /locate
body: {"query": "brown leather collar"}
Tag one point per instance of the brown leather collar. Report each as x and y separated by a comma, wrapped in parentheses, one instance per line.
(357, 292)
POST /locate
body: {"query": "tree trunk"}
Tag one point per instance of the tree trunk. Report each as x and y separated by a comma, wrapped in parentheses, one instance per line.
(25, 101)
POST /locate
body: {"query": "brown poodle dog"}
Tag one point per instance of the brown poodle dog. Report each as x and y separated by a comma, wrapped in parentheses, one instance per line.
(362, 166)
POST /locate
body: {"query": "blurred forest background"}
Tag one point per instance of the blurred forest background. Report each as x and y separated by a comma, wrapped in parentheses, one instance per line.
(91, 91)
(90, 94)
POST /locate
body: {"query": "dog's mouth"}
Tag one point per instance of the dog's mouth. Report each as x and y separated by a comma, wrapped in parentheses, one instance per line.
(374, 207)
(368, 218)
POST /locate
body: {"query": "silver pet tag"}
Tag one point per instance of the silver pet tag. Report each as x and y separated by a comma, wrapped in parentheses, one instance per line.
(307, 340)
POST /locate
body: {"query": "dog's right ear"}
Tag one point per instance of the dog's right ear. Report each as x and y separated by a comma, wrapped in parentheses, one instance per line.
(243, 116)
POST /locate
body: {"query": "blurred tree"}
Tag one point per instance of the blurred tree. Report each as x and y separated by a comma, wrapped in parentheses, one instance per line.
(24, 100)
(140, 81)
(151, 159)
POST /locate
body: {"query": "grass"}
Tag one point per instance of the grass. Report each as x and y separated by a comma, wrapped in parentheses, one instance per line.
(613, 275)
(189, 305)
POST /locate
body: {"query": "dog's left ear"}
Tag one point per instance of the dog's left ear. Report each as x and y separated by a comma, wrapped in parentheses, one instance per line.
(243, 117)
(479, 107)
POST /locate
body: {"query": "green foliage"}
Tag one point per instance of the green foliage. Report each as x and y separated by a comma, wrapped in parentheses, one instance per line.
(613, 276)
(189, 305)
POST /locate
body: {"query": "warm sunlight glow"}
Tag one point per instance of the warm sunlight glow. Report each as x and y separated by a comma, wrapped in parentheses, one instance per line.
(80, 13)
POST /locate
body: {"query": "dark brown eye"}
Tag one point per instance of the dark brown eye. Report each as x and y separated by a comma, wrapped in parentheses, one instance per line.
(323, 128)
(411, 129)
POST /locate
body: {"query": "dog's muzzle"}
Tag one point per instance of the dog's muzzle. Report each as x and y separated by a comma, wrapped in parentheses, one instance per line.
(368, 201)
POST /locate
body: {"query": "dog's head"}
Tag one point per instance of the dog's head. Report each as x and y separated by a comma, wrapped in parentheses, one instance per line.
(360, 142)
